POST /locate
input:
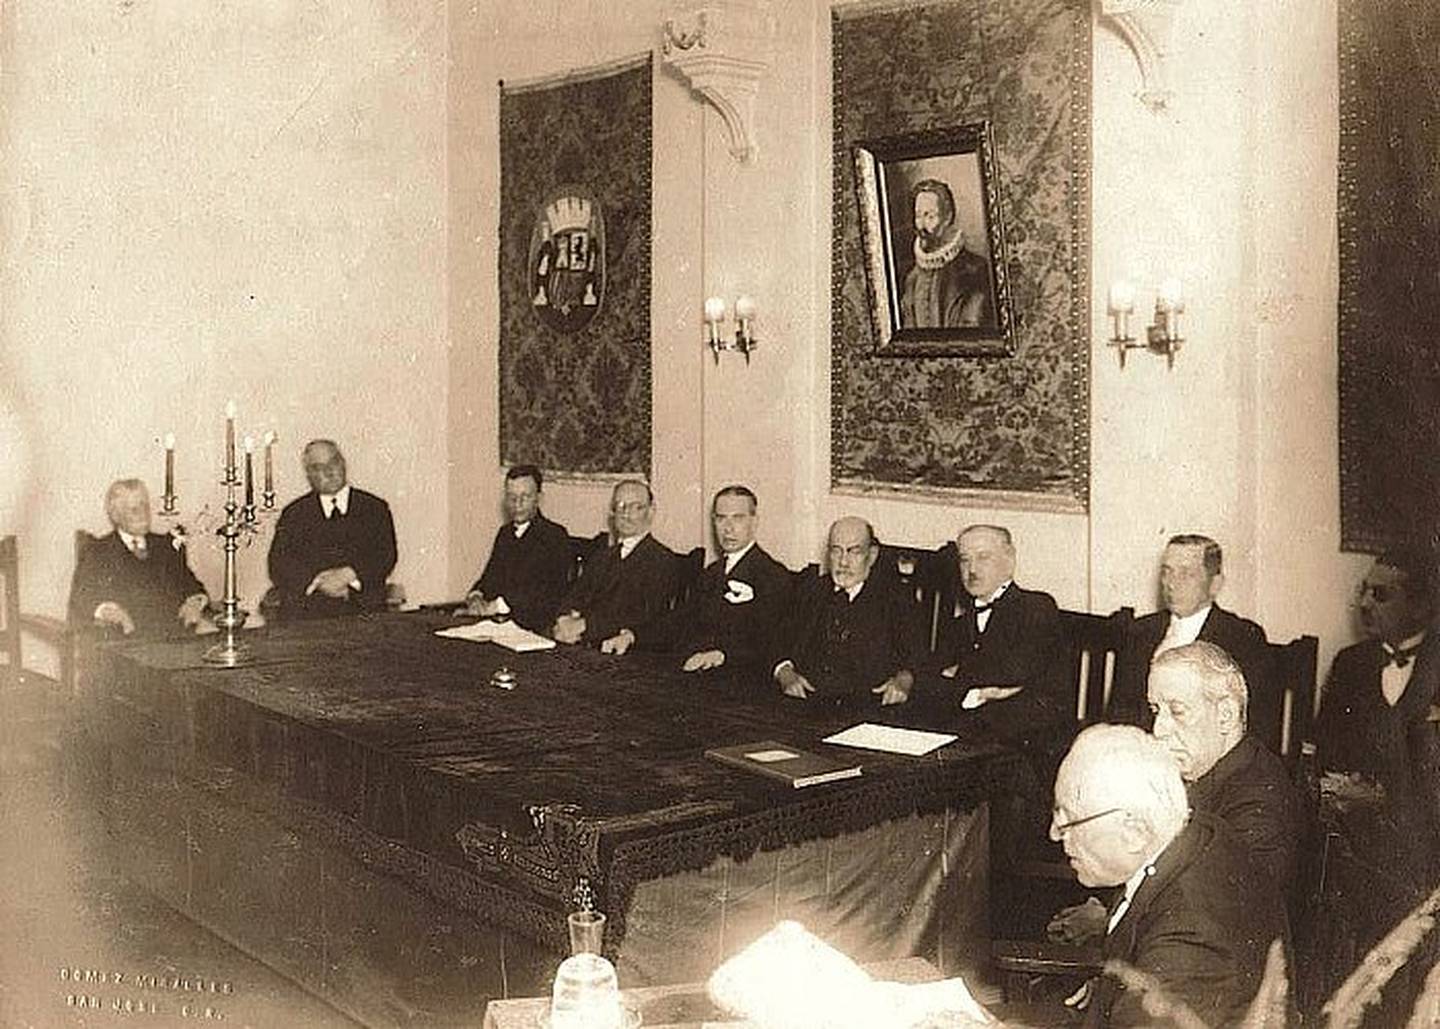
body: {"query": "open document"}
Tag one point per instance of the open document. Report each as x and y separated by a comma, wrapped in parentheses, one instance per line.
(891, 739)
(506, 634)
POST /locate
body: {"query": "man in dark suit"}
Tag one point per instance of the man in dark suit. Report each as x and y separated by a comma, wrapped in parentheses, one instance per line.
(529, 563)
(134, 578)
(334, 547)
(1378, 740)
(1193, 912)
(629, 584)
(1002, 648)
(853, 637)
(1191, 577)
(730, 615)
(1199, 698)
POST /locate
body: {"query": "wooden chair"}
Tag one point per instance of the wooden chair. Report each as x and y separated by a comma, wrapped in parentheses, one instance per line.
(14, 624)
(933, 576)
(1293, 668)
(1092, 643)
(688, 569)
(581, 550)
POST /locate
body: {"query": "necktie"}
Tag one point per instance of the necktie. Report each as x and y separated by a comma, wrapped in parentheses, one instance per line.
(1399, 658)
(140, 550)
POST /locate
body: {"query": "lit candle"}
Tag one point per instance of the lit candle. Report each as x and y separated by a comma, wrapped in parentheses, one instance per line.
(270, 462)
(714, 310)
(249, 471)
(744, 311)
(1171, 296)
(170, 464)
(230, 437)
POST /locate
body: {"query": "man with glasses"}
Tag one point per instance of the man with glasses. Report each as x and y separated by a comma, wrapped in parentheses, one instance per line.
(1378, 740)
(529, 563)
(1191, 577)
(1192, 911)
(627, 585)
(730, 614)
(853, 639)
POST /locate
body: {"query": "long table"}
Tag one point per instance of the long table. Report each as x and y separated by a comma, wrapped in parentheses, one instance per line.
(364, 811)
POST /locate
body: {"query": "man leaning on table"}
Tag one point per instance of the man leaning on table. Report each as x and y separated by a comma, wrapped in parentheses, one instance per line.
(732, 611)
(854, 637)
(524, 578)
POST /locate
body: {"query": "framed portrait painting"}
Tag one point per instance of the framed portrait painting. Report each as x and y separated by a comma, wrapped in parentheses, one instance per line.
(934, 244)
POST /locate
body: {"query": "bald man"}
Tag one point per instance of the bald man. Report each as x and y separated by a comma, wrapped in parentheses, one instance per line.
(334, 547)
(1002, 652)
(854, 638)
(1193, 912)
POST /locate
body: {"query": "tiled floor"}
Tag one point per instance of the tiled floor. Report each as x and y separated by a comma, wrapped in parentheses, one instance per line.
(81, 946)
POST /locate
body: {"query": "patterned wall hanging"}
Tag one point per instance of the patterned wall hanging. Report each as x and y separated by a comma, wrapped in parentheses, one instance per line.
(575, 271)
(988, 403)
(1389, 214)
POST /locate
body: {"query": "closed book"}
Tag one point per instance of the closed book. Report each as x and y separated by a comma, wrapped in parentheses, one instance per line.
(785, 763)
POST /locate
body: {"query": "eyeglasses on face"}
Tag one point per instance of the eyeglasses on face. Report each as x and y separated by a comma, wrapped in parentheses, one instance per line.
(1064, 827)
(629, 506)
(1380, 592)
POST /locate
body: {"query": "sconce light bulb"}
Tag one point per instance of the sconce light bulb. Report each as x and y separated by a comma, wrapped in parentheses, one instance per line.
(744, 308)
(1171, 296)
(714, 310)
(1122, 297)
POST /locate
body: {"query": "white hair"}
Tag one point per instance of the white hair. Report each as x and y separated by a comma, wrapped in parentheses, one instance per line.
(1122, 766)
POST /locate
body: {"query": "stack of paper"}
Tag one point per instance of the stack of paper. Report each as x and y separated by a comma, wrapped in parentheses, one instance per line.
(506, 634)
(891, 739)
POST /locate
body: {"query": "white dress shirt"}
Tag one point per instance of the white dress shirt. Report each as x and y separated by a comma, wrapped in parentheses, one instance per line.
(331, 502)
(1131, 885)
(1183, 631)
(982, 607)
(1393, 678)
(629, 543)
(731, 560)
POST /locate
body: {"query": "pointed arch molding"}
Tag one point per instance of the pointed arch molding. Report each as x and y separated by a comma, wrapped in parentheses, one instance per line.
(723, 48)
(1147, 27)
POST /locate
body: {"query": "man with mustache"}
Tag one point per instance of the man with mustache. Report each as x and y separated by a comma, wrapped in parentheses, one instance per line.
(948, 286)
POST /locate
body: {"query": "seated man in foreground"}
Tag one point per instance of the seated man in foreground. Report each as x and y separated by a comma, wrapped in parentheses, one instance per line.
(730, 615)
(853, 638)
(133, 578)
(1198, 698)
(1191, 577)
(1194, 913)
(334, 547)
(626, 586)
(1003, 647)
(524, 578)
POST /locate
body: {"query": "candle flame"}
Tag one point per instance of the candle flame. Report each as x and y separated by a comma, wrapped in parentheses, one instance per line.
(249, 444)
(270, 437)
(230, 408)
(169, 441)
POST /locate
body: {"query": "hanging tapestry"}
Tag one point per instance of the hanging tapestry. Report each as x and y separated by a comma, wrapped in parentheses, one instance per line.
(977, 387)
(1389, 215)
(575, 271)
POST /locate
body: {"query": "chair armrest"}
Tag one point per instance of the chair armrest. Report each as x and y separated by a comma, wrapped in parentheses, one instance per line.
(1036, 957)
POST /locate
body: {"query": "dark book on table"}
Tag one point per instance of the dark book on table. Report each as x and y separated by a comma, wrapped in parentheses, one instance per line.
(785, 763)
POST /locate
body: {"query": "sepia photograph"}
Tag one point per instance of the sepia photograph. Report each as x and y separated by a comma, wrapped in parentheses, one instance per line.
(828, 514)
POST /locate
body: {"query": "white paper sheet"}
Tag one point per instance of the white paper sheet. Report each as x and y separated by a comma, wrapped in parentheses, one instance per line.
(506, 634)
(891, 739)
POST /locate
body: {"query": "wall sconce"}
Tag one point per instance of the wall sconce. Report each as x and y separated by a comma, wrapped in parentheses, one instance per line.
(745, 340)
(1161, 337)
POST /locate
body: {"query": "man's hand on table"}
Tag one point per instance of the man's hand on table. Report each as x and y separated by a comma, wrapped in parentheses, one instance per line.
(1079, 923)
(896, 689)
(1345, 791)
(703, 660)
(569, 628)
(792, 683)
(618, 644)
(334, 582)
(979, 696)
(111, 613)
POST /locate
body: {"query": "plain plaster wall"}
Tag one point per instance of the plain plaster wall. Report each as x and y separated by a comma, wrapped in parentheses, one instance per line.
(205, 202)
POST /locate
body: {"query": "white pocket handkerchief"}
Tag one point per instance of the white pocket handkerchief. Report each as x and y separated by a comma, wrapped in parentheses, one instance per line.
(739, 592)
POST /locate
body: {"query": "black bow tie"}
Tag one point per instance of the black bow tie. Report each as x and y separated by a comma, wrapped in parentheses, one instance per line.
(1399, 658)
(979, 606)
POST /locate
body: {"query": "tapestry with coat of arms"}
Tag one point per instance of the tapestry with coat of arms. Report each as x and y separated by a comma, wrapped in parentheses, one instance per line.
(575, 271)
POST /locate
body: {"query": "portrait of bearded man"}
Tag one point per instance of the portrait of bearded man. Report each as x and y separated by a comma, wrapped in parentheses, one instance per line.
(948, 286)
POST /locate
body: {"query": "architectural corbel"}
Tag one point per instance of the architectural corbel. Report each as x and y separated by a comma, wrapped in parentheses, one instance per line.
(723, 48)
(1147, 27)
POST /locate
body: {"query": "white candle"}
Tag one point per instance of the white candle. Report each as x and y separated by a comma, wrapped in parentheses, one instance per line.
(249, 471)
(170, 464)
(230, 436)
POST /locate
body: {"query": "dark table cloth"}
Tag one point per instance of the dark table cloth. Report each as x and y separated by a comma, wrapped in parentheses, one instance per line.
(584, 780)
